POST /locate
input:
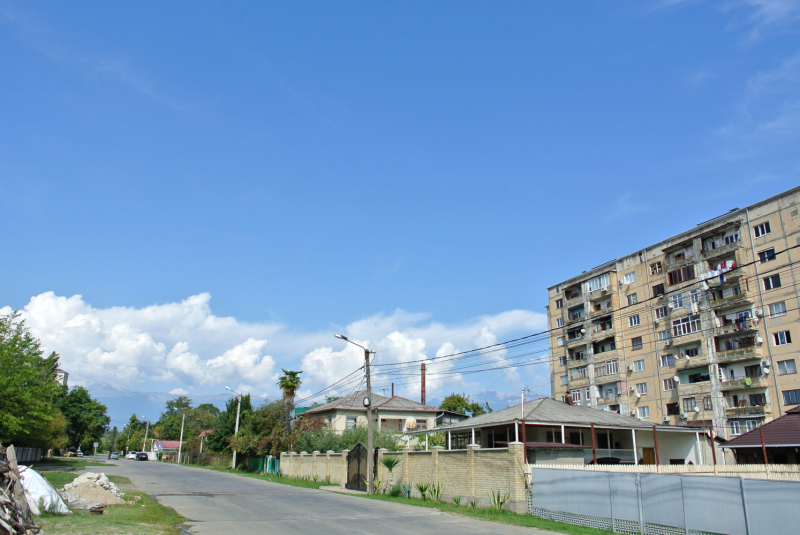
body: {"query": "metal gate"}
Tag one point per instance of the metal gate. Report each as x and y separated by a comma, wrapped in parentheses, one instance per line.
(357, 468)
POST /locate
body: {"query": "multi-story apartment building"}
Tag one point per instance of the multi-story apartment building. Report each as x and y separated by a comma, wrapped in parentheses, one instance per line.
(696, 330)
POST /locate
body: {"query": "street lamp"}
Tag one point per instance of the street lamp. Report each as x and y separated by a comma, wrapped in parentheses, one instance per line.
(368, 405)
(236, 432)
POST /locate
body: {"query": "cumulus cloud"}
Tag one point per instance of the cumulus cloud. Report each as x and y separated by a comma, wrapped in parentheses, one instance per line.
(184, 347)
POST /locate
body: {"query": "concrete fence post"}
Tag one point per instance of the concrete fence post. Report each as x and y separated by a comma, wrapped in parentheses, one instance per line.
(639, 500)
(314, 472)
(345, 455)
(406, 472)
(471, 466)
(328, 465)
(744, 506)
(436, 470)
(380, 470)
(517, 477)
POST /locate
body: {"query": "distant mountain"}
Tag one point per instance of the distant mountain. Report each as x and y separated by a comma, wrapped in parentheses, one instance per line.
(497, 400)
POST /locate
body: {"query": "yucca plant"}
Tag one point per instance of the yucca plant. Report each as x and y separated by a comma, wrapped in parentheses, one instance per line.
(457, 500)
(423, 489)
(498, 500)
(472, 504)
(435, 492)
(405, 488)
(390, 462)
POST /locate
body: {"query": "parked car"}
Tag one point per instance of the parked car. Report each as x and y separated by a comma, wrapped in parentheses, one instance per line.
(142, 456)
(79, 454)
(113, 456)
(131, 456)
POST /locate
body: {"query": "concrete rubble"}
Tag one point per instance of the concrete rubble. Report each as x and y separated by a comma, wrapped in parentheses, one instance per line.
(91, 490)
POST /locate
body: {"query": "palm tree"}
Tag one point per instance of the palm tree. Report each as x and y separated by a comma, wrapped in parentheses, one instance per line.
(289, 383)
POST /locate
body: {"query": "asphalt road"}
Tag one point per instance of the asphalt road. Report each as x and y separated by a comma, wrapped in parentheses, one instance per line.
(220, 503)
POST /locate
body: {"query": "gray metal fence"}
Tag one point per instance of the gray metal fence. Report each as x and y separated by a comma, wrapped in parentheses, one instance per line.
(27, 455)
(666, 504)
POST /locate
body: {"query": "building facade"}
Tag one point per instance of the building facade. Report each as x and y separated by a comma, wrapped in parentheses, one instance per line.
(694, 330)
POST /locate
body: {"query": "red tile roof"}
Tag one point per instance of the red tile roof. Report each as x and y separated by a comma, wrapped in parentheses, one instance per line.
(205, 433)
(783, 431)
(167, 444)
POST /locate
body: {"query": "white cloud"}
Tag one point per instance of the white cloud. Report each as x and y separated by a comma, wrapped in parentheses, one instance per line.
(183, 345)
(179, 392)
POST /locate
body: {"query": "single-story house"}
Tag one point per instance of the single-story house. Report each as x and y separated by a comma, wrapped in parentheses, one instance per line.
(556, 432)
(781, 440)
(167, 447)
(393, 413)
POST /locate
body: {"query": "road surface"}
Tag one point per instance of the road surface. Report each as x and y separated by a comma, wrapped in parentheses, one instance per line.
(220, 503)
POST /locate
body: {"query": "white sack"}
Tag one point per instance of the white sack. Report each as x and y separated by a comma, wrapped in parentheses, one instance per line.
(40, 494)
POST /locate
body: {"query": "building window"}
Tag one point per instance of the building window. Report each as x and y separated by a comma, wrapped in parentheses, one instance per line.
(782, 338)
(669, 384)
(644, 412)
(791, 397)
(560, 322)
(733, 238)
(597, 283)
(663, 336)
(694, 297)
(641, 388)
(632, 299)
(636, 343)
(351, 423)
(785, 367)
(707, 403)
(559, 303)
(581, 372)
(576, 395)
(629, 277)
(661, 312)
(767, 255)
(667, 360)
(777, 309)
(562, 361)
(659, 290)
(735, 428)
(673, 409)
(692, 352)
(689, 404)
(762, 229)
(772, 282)
(686, 325)
(683, 274)
(564, 380)
(655, 268)
(638, 365)
(560, 341)
(677, 301)
(634, 320)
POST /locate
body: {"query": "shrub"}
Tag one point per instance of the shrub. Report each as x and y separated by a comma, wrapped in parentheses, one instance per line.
(406, 489)
(436, 493)
(498, 500)
(472, 504)
(457, 500)
(423, 489)
(396, 491)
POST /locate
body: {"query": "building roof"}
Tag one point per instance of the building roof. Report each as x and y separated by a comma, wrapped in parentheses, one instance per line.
(354, 402)
(205, 433)
(548, 410)
(552, 446)
(167, 444)
(780, 432)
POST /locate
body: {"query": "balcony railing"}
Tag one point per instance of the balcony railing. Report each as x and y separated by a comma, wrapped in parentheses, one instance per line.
(734, 300)
(694, 389)
(576, 317)
(580, 382)
(756, 410)
(573, 301)
(578, 340)
(748, 324)
(721, 250)
(742, 353)
(682, 363)
(747, 382)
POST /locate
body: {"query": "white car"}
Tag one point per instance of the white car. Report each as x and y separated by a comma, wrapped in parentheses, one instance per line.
(131, 456)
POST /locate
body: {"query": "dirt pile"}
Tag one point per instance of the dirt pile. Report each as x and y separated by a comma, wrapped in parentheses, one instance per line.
(91, 490)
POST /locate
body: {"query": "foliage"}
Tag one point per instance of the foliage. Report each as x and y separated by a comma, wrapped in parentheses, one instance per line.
(87, 418)
(436, 492)
(390, 462)
(219, 440)
(132, 435)
(27, 388)
(198, 419)
(423, 489)
(396, 491)
(405, 488)
(472, 504)
(324, 439)
(289, 383)
(463, 404)
(262, 432)
(330, 399)
(457, 500)
(498, 500)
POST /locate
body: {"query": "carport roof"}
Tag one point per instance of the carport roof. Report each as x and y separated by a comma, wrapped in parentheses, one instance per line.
(780, 432)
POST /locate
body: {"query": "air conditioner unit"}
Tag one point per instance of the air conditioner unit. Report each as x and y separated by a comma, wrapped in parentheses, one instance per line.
(759, 313)
(670, 305)
(697, 409)
(633, 413)
(631, 388)
(666, 418)
(630, 368)
(638, 395)
(765, 363)
(683, 416)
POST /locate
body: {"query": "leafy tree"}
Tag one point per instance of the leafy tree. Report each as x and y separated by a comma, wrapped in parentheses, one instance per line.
(462, 403)
(289, 383)
(27, 388)
(326, 439)
(132, 435)
(87, 418)
(219, 440)
(329, 399)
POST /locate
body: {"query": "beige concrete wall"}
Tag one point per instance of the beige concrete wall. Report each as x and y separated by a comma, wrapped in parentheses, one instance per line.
(320, 465)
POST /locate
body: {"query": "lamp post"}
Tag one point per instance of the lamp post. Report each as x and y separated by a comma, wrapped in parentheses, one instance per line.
(368, 405)
(236, 430)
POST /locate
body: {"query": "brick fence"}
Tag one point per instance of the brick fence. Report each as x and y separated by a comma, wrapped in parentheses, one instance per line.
(471, 473)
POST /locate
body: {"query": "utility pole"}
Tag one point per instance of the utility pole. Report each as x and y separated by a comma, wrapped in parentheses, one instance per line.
(236, 431)
(422, 369)
(180, 443)
(144, 442)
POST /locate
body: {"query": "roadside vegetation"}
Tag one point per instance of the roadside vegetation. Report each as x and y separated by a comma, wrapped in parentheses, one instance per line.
(307, 483)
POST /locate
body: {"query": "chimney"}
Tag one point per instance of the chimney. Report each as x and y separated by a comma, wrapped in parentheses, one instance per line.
(569, 399)
(392, 389)
(423, 383)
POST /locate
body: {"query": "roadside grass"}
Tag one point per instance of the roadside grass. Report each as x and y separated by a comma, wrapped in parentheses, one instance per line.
(308, 484)
(66, 463)
(491, 515)
(146, 517)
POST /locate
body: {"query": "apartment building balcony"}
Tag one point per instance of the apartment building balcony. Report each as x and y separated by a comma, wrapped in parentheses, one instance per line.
(742, 353)
(575, 318)
(602, 331)
(684, 339)
(607, 355)
(729, 276)
(613, 377)
(748, 324)
(674, 263)
(708, 254)
(745, 384)
(579, 383)
(574, 301)
(696, 416)
(742, 298)
(753, 410)
(578, 340)
(694, 389)
(682, 363)
(600, 312)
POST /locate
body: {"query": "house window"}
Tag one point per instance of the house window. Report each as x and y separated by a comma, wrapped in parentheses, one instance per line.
(661, 312)
(673, 409)
(659, 290)
(576, 395)
(560, 341)
(638, 365)
(735, 428)
(655, 268)
(677, 301)
(683, 274)
(692, 352)
(634, 320)
(632, 299)
(663, 336)
(771, 282)
(641, 388)
(686, 325)
(330, 420)
(777, 309)
(782, 338)
(669, 384)
(667, 360)
(562, 361)
(762, 229)
(751, 424)
(629, 277)
(767, 255)
(636, 343)
(689, 404)
(733, 238)
(756, 400)
(707, 403)
(559, 303)
(791, 397)
(785, 367)
(752, 371)
(351, 423)
(644, 412)
(560, 322)
(564, 380)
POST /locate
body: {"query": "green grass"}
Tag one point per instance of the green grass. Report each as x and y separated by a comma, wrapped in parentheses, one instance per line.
(146, 517)
(268, 477)
(69, 463)
(504, 517)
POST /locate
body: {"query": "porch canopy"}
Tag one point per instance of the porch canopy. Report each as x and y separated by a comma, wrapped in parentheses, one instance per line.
(602, 434)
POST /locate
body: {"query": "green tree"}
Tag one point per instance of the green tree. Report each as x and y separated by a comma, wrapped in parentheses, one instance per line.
(462, 403)
(27, 388)
(87, 418)
(289, 383)
(132, 435)
(219, 440)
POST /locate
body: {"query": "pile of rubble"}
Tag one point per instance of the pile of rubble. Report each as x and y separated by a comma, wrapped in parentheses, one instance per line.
(90, 490)
(15, 515)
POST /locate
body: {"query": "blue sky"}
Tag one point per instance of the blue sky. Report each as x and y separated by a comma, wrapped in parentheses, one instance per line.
(424, 169)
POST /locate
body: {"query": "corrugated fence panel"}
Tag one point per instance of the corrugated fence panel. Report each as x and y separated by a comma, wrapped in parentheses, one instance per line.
(572, 492)
(772, 506)
(626, 497)
(714, 504)
(662, 501)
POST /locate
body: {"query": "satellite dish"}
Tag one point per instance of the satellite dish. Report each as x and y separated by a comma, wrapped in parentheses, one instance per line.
(583, 331)
(697, 409)
(411, 422)
(677, 378)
